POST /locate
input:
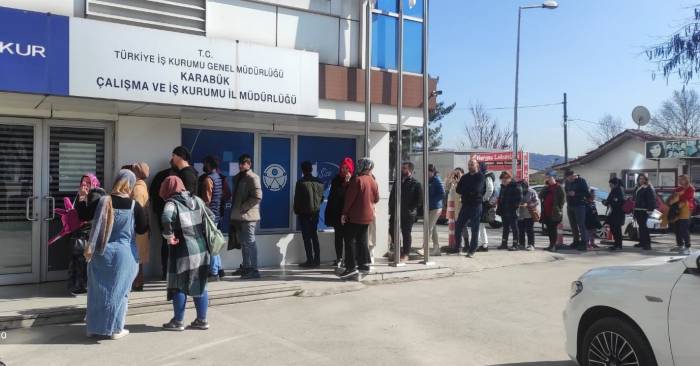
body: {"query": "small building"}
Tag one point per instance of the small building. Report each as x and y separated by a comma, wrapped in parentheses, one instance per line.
(625, 156)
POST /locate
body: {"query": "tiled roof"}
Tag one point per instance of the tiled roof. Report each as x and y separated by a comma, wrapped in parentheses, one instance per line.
(612, 144)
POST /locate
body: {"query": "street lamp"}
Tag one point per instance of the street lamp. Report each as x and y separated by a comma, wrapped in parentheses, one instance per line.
(547, 4)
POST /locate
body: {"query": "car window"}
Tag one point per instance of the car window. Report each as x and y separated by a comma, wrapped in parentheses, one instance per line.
(601, 195)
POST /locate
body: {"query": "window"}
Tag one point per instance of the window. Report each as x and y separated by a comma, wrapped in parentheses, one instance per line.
(392, 6)
(385, 31)
(325, 153)
(226, 146)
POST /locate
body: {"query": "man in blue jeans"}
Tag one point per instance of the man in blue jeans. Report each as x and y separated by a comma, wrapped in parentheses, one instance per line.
(308, 195)
(577, 196)
(245, 214)
(470, 187)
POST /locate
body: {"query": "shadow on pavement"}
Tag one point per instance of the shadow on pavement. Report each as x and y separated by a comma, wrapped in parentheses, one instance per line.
(540, 363)
(69, 334)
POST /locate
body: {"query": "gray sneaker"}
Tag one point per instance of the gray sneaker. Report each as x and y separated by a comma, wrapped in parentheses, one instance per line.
(685, 251)
(199, 324)
(174, 325)
(530, 248)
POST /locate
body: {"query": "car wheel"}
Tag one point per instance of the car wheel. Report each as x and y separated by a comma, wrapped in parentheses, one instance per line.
(614, 341)
(495, 224)
(601, 233)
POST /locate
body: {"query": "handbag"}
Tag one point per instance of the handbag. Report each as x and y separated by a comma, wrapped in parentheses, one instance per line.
(233, 242)
(69, 220)
(534, 214)
(215, 238)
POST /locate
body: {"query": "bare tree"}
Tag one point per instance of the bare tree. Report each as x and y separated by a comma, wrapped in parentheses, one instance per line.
(679, 115)
(484, 132)
(607, 128)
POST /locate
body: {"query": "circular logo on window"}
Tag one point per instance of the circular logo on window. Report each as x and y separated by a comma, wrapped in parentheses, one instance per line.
(275, 177)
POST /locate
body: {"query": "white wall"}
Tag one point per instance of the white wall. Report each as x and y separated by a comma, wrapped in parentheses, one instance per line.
(150, 140)
(329, 27)
(309, 32)
(629, 155)
(60, 7)
(242, 20)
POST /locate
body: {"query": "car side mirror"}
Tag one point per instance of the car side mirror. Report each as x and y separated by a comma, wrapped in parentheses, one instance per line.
(692, 261)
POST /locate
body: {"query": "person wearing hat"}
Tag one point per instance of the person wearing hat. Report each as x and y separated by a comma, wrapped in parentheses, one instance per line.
(334, 207)
(577, 196)
(552, 198)
(181, 162)
(616, 217)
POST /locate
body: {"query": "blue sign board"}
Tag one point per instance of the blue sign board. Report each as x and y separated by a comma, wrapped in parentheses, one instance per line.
(226, 146)
(33, 52)
(275, 163)
(326, 154)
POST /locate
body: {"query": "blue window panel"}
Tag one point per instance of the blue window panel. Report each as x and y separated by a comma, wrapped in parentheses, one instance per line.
(326, 154)
(227, 146)
(275, 167)
(388, 5)
(384, 38)
(416, 11)
(413, 46)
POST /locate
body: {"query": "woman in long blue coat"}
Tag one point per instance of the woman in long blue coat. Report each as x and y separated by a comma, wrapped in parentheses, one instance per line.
(116, 219)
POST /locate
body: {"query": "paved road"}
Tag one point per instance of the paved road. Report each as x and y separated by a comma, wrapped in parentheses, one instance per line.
(504, 316)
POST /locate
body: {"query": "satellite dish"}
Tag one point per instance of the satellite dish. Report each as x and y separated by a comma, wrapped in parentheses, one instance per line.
(641, 115)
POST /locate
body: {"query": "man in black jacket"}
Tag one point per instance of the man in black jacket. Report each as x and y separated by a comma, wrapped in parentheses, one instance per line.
(189, 176)
(411, 198)
(508, 202)
(157, 204)
(471, 189)
(308, 195)
(577, 196)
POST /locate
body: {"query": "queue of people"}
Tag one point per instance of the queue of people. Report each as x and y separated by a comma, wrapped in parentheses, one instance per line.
(112, 245)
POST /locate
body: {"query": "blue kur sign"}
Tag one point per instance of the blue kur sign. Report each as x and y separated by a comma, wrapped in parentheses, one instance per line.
(33, 52)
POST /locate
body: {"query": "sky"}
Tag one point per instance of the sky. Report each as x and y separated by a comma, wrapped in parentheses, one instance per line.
(591, 49)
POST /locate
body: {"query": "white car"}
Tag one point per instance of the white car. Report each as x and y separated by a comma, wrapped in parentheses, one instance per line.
(629, 228)
(643, 314)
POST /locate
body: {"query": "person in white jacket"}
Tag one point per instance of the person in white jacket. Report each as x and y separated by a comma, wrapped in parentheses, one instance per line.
(488, 199)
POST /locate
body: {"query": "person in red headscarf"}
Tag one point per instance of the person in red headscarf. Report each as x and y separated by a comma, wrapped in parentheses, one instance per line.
(334, 207)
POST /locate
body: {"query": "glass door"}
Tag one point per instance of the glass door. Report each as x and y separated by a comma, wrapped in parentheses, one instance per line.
(71, 150)
(20, 204)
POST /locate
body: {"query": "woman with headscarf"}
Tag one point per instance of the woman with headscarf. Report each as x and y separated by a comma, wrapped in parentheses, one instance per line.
(188, 257)
(88, 192)
(334, 207)
(143, 241)
(116, 219)
(358, 213)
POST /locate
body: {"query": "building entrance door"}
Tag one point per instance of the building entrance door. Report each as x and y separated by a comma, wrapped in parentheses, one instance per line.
(41, 163)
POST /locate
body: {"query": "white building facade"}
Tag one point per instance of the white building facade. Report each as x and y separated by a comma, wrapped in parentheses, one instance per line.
(624, 157)
(89, 86)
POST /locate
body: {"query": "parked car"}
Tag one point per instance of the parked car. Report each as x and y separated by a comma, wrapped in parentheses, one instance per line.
(643, 314)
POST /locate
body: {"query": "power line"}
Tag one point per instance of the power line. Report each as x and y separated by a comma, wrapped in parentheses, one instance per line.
(519, 107)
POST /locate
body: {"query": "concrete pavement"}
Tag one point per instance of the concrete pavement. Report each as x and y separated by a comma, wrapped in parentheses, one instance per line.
(500, 316)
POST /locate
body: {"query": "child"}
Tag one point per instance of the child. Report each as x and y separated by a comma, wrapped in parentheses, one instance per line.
(592, 221)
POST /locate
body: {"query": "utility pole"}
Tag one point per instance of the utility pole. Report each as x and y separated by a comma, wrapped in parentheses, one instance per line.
(566, 138)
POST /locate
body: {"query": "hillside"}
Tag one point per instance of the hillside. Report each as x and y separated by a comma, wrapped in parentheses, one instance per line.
(542, 161)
